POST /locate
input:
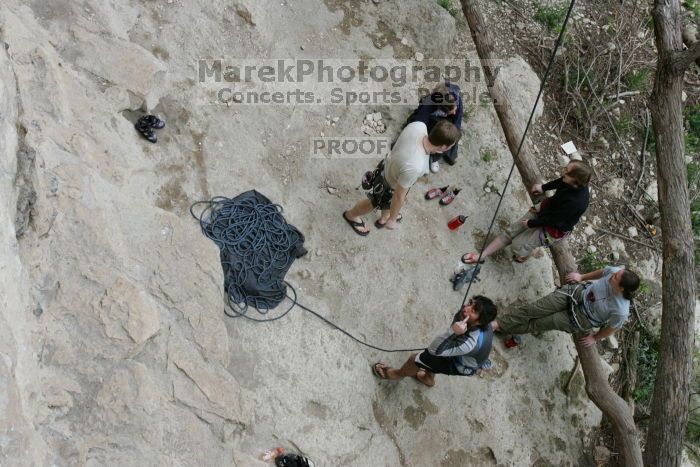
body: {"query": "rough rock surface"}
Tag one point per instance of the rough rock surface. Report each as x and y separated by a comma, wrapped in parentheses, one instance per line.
(115, 350)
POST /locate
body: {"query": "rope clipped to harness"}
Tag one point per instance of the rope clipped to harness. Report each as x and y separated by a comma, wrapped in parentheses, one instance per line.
(257, 247)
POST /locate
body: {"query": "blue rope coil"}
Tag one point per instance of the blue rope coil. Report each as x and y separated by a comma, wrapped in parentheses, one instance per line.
(256, 245)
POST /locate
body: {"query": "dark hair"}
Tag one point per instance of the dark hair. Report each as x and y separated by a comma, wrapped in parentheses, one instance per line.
(486, 308)
(629, 283)
(444, 134)
(581, 172)
(442, 98)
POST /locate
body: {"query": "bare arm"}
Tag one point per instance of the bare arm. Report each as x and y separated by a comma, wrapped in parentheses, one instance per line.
(602, 333)
(576, 277)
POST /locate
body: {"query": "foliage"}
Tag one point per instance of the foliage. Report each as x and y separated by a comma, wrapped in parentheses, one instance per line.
(692, 128)
(447, 5)
(487, 155)
(643, 287)
(637, 80)
(624, 124)
(693, 180)
(590, 263)
(551, 17)
(468, 112)
(692, 433)
(693, 7)
(647, 360)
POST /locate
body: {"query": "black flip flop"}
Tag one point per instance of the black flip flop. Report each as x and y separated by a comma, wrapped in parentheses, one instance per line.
(379, 225)
(472, 262)
(354, 226)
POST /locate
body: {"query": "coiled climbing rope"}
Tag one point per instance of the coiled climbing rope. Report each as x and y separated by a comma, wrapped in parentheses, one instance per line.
(257, 247)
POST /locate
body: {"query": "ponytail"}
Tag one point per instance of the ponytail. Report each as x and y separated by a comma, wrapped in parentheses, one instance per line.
(629, 283)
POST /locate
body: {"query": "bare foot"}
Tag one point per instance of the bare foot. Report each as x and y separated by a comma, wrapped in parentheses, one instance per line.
(469, 258)
(425, 378)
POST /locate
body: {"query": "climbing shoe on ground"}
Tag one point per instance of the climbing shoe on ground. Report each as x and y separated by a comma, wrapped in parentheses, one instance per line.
(436, 192)
(146, 131)
(465, 275)
(153, 121)
(449, 197)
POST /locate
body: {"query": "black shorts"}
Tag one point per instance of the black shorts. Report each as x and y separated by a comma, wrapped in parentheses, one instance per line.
(381, 193)
(438, 365)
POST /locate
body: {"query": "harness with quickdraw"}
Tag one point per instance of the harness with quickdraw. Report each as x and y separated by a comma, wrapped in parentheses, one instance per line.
(371, 177)
(572, 303)
(376, 186)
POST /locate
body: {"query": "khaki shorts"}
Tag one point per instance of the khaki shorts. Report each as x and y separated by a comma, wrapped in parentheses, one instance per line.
(525, 240)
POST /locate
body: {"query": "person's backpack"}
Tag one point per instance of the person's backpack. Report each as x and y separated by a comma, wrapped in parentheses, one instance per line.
(292, 460)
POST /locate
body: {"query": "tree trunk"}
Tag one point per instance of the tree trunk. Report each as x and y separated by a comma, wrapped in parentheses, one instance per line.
(669, 410)
(597, 385)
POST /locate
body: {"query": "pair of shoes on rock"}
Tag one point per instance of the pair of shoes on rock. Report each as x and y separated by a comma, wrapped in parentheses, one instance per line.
(146, 124)
(464, 276)
(445, 194)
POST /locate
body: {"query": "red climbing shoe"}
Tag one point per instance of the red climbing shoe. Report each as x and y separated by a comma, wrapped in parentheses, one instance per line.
(436, 192)
(449, 197)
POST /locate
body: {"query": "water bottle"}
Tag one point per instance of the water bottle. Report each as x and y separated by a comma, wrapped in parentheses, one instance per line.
(456, 222)
(513, 341)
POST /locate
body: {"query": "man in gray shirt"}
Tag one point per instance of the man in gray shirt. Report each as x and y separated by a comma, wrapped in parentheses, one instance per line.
(394, 176)
(578, 306)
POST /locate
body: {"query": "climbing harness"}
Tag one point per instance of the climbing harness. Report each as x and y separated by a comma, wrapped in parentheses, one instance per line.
(572, 303)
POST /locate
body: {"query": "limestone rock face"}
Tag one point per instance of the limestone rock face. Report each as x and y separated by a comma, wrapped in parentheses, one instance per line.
(522, 85)
(115, 349)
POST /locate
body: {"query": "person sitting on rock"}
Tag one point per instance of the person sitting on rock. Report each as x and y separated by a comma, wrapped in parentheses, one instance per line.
(444, 103)
(551, 221)
(462, 349)
(394, 176)
(577, 307)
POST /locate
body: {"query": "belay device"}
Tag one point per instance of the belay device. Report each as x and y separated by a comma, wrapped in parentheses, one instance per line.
(257, 247)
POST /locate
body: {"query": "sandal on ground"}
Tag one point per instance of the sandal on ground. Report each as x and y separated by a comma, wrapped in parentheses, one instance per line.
(355, 225)
(379, 225)
(470, 258)
(380, 370)
(153, 121)
(146, 131)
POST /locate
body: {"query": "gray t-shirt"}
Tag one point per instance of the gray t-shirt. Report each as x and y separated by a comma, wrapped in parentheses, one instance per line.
(603, 306)
(408, 161)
